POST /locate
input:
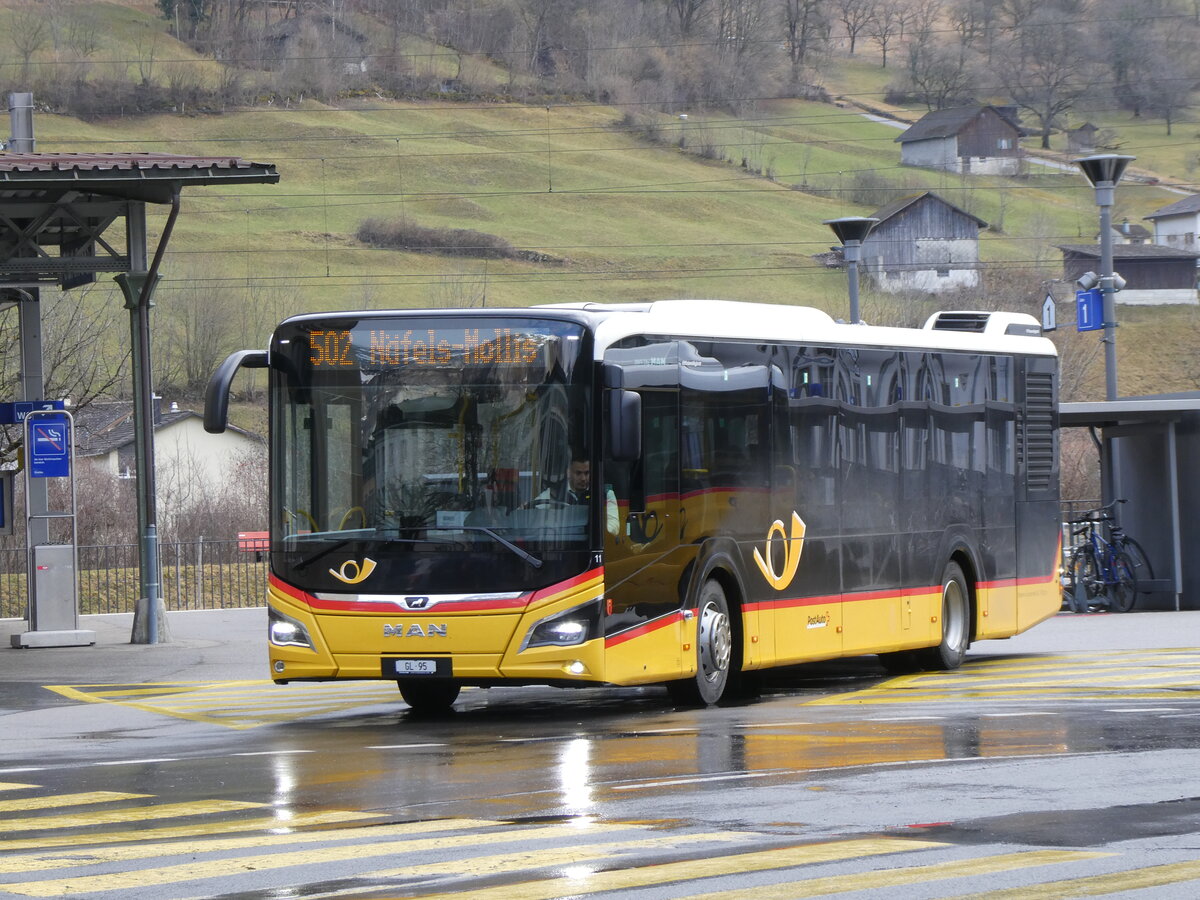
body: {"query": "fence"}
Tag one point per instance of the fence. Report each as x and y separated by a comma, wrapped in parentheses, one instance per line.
(193, 575)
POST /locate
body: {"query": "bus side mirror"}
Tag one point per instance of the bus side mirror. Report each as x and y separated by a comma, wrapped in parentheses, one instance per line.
(216, 395)
(625, 425)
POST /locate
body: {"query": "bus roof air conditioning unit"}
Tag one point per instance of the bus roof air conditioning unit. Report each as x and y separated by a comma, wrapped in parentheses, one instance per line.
(961, 321)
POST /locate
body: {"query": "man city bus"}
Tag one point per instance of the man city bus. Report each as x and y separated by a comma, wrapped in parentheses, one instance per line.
(767, 487)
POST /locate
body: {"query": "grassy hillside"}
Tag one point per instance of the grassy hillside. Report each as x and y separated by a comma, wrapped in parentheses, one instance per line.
(612, 206)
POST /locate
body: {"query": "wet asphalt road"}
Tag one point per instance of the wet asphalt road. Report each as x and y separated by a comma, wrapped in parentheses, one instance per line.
(1061, 763)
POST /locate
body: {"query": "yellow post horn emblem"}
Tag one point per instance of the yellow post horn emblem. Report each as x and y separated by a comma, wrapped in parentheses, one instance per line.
(794, 545)
(351, 572)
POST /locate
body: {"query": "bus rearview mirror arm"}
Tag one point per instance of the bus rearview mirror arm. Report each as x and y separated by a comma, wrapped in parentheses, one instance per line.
(216, 395)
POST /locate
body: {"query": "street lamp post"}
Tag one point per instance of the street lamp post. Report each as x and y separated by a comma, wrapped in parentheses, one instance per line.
(1104, 171)
(852, 231)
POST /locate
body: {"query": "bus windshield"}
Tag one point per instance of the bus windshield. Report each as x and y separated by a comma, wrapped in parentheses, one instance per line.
(439, 448)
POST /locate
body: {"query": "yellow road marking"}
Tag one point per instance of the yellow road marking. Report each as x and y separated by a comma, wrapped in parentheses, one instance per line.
(15, 786)
(60, 859)
(57, 801)
(1133, 675)
(221, 867)
(233, 704)
(592, 882)
(273, 823)
(1098, 885)
(130, 814)
(519, 860)
(892, 878)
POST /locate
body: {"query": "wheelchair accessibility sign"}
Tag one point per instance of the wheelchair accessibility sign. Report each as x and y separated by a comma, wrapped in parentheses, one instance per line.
(49, 446)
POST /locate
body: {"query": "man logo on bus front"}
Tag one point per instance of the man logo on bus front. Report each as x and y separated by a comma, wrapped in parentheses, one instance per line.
(351, 572)
(793, 546)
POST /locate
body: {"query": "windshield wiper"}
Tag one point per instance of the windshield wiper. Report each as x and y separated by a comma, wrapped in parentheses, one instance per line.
(524, 554)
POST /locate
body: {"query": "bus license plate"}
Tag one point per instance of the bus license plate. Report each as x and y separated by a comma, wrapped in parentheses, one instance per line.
(405, 668)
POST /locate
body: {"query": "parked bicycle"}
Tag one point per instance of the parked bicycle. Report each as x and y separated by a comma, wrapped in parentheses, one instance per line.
(1103, 570)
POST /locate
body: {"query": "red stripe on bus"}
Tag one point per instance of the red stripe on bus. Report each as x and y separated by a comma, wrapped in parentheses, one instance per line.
(643, 629)
(564, 586)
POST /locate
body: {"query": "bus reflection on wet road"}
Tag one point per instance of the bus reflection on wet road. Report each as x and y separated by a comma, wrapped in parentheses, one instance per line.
(1054, 769)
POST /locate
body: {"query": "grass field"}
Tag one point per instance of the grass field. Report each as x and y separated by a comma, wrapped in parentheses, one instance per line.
(618, 208)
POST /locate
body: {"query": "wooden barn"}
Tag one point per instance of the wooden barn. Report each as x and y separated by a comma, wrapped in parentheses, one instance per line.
(1153, 274)
(981, 140)
(922, 243)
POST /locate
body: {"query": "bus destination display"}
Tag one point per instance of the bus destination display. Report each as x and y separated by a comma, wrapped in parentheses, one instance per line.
(424, 347)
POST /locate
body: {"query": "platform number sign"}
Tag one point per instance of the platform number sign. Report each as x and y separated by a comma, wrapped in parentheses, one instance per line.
(1089, 306)
(49, 444)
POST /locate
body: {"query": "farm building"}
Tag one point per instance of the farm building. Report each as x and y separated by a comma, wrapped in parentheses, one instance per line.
(922, 243)
(1153, 274)
(981, 140)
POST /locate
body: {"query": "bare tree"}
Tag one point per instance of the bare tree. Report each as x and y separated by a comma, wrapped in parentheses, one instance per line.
(76, 365)
(741, 27)
(885, 26)
(940, 75)
(29, 32)
(686, 14)
(1046, 67)
(805, 24)
(855, 15)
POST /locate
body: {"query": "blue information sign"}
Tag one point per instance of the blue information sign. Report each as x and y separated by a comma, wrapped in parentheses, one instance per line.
(1089, 306)
(49, 444)
(14, 413)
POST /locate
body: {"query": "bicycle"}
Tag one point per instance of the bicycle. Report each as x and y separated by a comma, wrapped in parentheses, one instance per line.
(1101, 568)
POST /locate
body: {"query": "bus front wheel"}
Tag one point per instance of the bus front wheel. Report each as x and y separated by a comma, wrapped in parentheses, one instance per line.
(955, 621)
(429, 697)
(714, 651)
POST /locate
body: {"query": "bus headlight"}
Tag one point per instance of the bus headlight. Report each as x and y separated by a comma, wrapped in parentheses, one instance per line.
(565, 629)
(284, 631)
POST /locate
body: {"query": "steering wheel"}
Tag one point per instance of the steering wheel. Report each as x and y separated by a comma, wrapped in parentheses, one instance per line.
(547, 503)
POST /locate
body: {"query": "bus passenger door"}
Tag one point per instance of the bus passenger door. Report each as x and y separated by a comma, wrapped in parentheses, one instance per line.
(643, 567)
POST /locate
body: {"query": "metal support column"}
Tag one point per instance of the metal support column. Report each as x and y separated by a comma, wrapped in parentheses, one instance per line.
(149, 618)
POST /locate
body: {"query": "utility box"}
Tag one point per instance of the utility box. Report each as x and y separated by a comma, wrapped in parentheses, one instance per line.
(54, 619)
(54, 579)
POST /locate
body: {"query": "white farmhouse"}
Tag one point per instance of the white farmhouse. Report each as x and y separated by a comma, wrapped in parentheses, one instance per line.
(104, 438)
(1178, 225)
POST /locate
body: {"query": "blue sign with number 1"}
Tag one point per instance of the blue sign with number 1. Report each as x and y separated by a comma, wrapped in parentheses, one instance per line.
(1089, 306)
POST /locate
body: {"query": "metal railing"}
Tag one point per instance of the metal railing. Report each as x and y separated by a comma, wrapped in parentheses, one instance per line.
(194, 575)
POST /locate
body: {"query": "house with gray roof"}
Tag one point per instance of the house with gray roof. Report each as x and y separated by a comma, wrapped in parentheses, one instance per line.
(1178, 224)
(1154, 274)
(104, 439)
(981, 140)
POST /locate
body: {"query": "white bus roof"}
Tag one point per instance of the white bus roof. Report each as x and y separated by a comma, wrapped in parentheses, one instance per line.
(974, 331)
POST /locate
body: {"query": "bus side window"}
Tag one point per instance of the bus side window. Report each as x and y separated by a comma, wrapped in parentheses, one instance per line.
(656, 476)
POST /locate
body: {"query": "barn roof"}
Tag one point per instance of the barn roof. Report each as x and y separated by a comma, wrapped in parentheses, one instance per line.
(944, 123)
(1130, 251)
(888, 210)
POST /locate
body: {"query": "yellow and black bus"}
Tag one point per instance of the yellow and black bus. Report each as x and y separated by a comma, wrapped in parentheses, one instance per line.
(682, 492)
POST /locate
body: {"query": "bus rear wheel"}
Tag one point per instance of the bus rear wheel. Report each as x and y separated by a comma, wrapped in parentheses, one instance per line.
(429, 697)
(714, 651)
(955, 621)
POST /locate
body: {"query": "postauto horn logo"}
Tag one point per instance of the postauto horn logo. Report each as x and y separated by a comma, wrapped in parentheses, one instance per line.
(791, 561)
(351, 572)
